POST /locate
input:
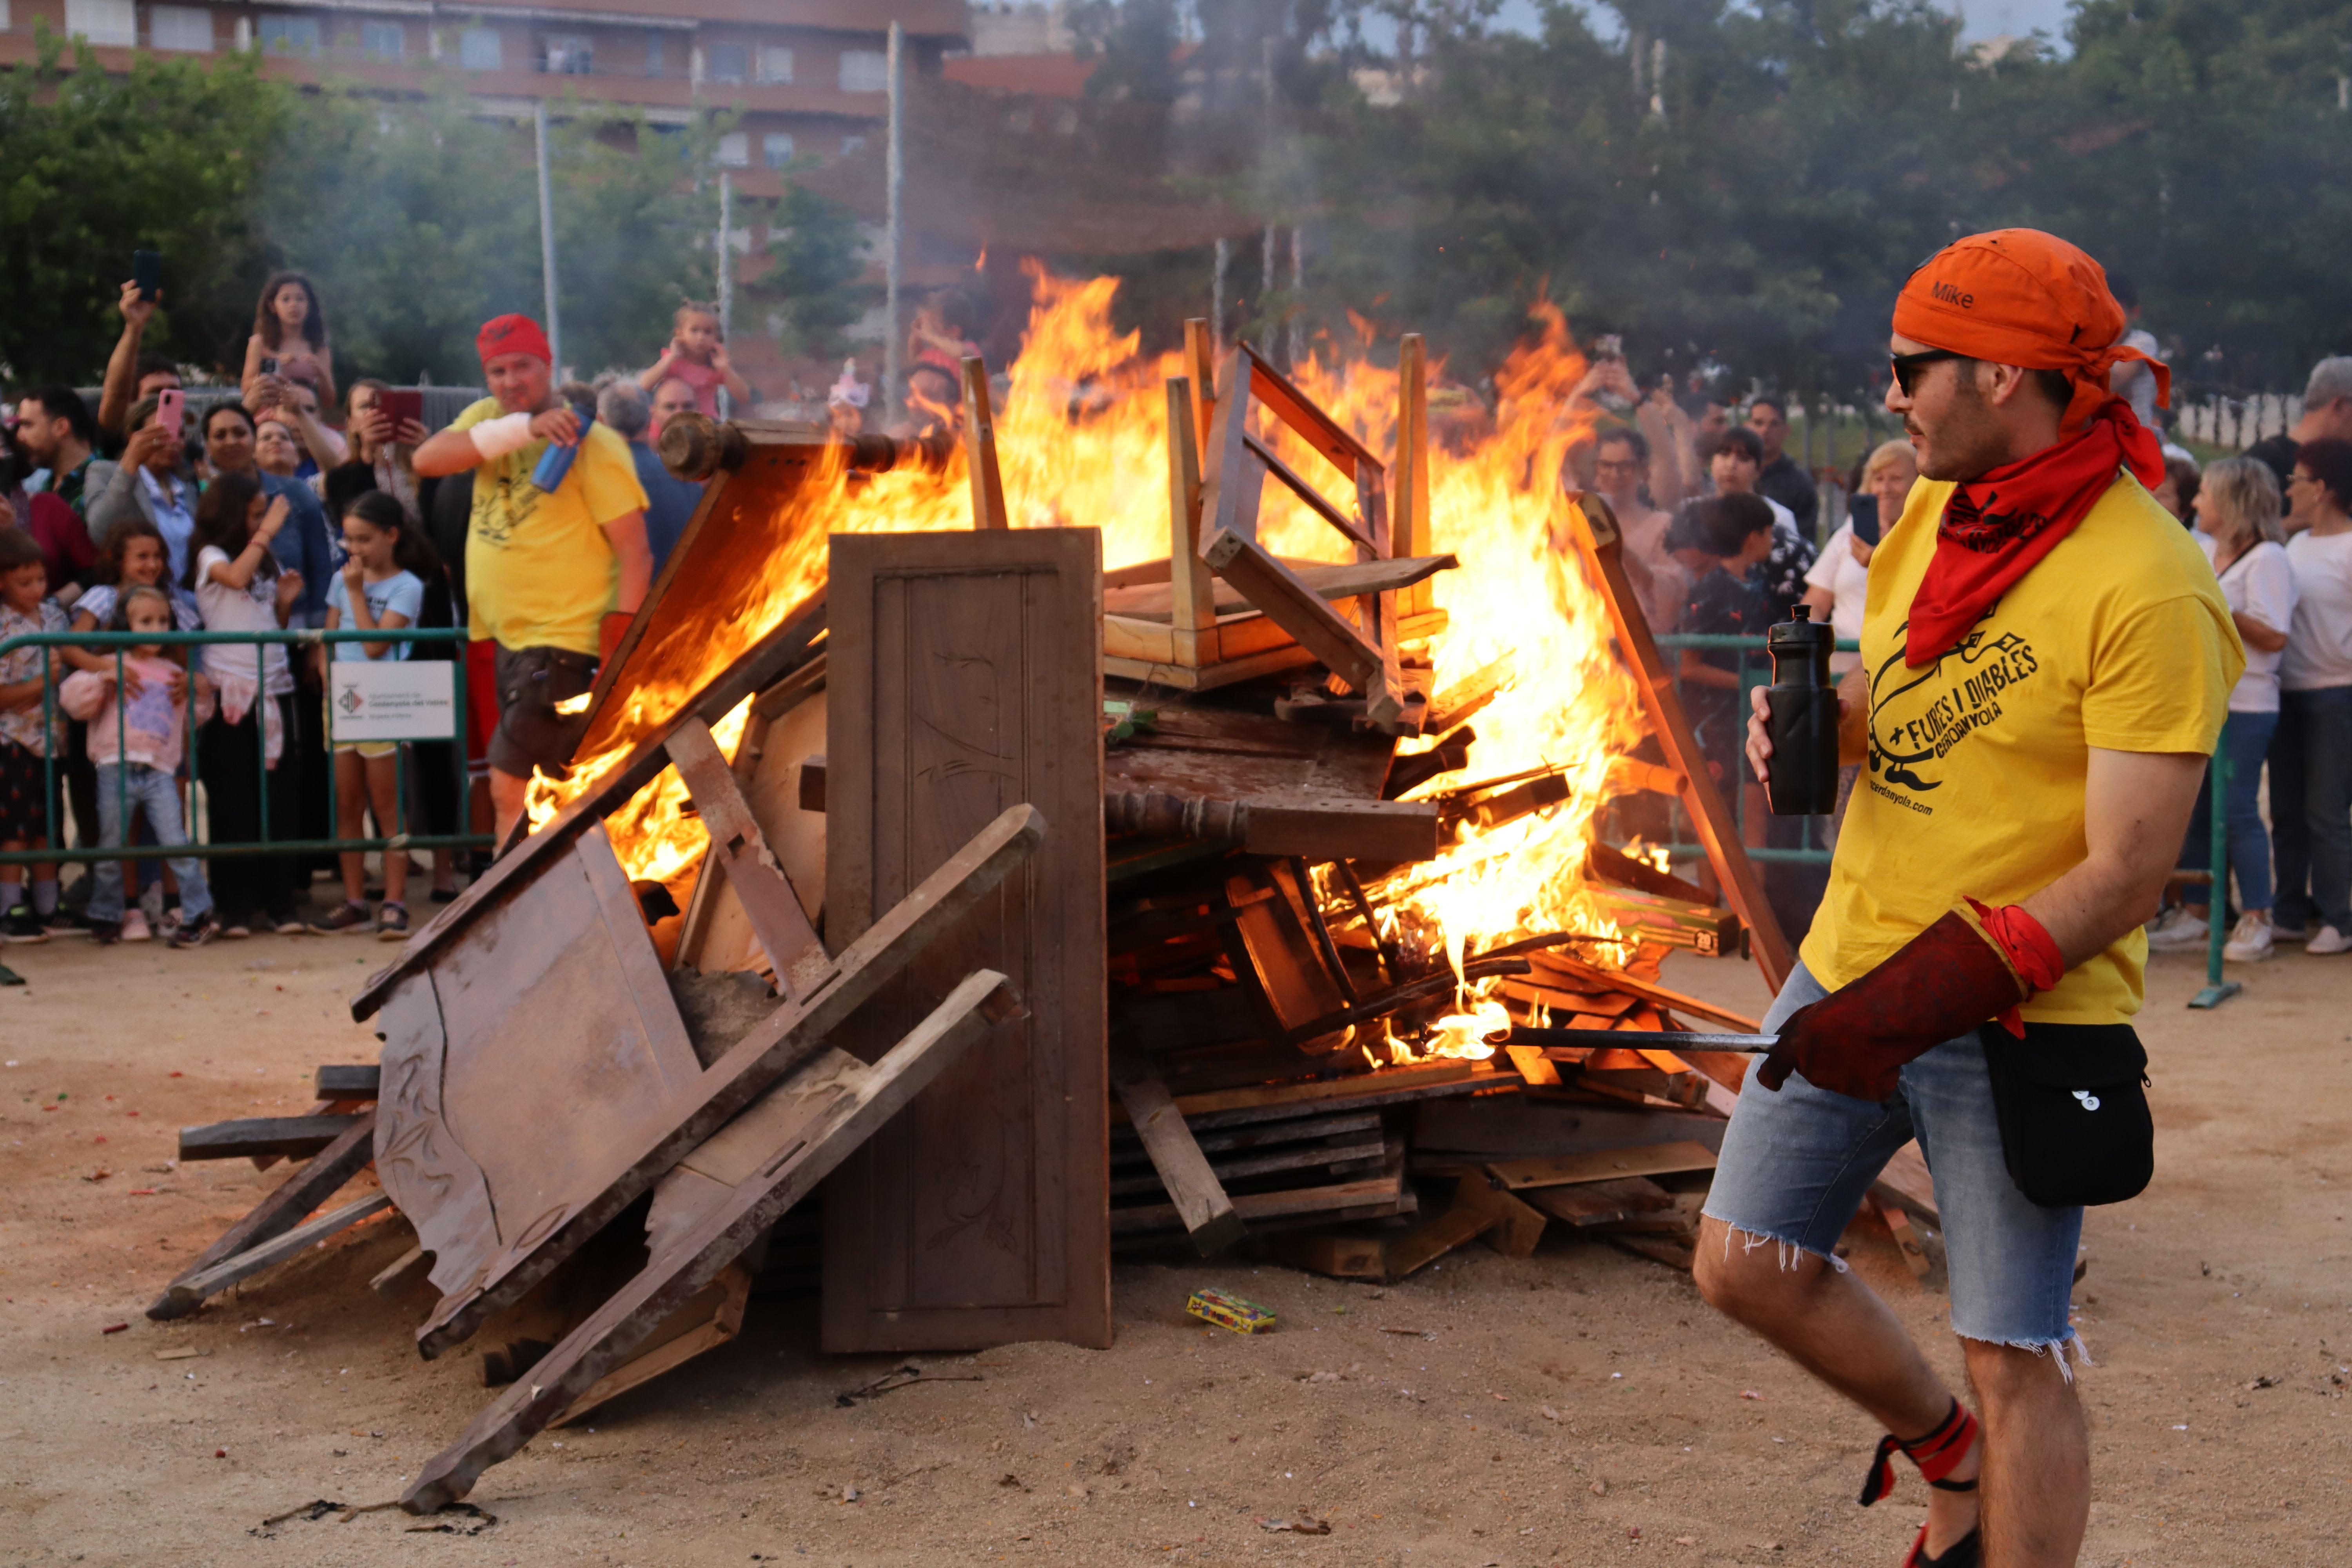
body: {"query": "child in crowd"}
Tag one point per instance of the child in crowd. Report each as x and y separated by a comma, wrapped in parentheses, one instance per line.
(239, 587)
(1718, 541)
(845, 402)
(697, 355)
(289, 333)
(136, 557)
(380, 588)
(30, 734)
(136, 740)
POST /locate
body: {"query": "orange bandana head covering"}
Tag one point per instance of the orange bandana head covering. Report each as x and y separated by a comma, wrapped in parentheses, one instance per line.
(2018, 296)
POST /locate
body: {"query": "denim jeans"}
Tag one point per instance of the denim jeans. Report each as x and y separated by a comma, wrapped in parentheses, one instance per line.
(1796, 1163)
(2311, 808)
(126, 787)
(2245, 742)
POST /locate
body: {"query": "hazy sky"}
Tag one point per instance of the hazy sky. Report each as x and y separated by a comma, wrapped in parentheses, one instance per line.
(1984, 18)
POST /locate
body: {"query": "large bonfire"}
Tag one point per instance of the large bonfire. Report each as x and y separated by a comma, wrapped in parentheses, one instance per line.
(1082, 442)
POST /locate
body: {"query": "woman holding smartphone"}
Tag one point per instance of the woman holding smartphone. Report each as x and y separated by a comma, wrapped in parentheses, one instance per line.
(288, 329)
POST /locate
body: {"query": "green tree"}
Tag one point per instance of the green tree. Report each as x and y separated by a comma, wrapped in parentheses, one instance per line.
(168, 157)
(817, 262)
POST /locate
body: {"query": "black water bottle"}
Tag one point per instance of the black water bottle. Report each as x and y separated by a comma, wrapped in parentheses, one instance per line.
(1803, 780)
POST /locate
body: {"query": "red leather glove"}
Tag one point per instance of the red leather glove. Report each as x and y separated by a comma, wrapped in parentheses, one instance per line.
(610, 631)
(1943, 983)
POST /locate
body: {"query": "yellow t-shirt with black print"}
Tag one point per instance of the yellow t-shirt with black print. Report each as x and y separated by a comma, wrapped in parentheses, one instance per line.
(539, 571)
(2118, 639)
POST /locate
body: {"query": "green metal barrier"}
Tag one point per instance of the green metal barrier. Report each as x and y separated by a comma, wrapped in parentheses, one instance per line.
(96, 641)
(1755, 670)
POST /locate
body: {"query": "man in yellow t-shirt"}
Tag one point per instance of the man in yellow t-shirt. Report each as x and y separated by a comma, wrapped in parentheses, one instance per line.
(551, 577)
(2046, 663)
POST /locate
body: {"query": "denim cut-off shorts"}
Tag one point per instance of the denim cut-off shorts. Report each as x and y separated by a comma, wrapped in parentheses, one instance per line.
(1796, 1164)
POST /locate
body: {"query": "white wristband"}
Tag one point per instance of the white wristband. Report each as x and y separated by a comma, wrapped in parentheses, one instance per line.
(494, 438)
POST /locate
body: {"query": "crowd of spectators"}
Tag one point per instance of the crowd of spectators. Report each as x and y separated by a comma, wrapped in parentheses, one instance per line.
(289, 506)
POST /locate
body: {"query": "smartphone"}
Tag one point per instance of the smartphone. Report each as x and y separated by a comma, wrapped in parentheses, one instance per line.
(147, 271)
(268, 364)
(1863, 511)
(399, 407)
(171, 405)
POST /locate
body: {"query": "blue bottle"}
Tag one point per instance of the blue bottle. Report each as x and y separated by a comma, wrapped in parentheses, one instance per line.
(556, 461)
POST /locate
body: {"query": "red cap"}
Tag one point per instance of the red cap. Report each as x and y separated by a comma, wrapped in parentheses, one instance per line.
(512, 335)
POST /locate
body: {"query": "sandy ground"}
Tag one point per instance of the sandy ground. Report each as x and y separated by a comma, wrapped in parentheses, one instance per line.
(1576, 1406)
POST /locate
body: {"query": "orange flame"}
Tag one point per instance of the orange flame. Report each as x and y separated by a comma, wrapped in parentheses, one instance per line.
(1082, 441)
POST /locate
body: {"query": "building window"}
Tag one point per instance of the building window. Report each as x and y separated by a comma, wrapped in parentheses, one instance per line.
(289, 35)
(735, 150)
(187, 28)
(478, 49)
(653, 52)
(775, 64)
(851, 144)
(382, 40)
(776, 149)
(731, 63)
(865, 71)
(112, 22)
(568, 54)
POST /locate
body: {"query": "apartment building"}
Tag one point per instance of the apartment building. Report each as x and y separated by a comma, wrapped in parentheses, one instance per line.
(807, 76)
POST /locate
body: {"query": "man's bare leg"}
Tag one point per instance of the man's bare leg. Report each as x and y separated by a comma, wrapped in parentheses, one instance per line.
(1836, 1328)
(508, 795)
(2037, 1446)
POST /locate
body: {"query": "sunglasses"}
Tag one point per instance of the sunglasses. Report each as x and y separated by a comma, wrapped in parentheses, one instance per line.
(1907, 367)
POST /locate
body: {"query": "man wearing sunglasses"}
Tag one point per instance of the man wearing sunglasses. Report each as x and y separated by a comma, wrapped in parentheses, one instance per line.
(2046, 660)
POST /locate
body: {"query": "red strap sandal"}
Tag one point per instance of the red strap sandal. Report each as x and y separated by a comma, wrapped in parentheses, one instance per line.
(1937, 1455)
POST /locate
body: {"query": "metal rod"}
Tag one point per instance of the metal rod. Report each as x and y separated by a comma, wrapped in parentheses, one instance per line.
(547, 236)
(1633, 1040)
(894, 231)
(726, 270)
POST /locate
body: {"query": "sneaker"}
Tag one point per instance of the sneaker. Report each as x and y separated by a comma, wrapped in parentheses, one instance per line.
(2178, 931)
(237, 931)
(151, 904)
(63, 921)
(286, 923)
(134, 927)
(2328, 940)
(392, 923)
(2252, 941)
(197, 932)
(18, 925)
(106, 933)
(2288, 933)
(347, 917)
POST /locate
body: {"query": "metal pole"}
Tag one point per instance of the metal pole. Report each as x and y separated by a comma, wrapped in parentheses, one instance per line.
(726, 274)
(1217, 295)
(2217, 914)
(894, 236)
(547, 237)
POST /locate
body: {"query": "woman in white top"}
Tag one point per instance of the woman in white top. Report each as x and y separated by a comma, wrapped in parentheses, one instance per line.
(2311, 755)
(2237, 506)
(1839, 577)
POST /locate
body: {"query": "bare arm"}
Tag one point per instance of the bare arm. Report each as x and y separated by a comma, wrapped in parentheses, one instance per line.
(627, 536)
(121, 387)
(2257, 635)
(453, 451)
(653, 375)
(2135, 809)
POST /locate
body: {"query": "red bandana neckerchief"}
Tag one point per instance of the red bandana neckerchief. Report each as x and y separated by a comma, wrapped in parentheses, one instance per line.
(1997, 528)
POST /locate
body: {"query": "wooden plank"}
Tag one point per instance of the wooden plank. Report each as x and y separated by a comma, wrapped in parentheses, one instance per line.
(1594, 530)
(432, 1169)
(1208, 677)
(319, 1179)
(262, 1135)
(964, 675)
(1558, 1170)
(1587, 1203)
(1436, 1235)
(1335, 441)
(1275, 946)
(1308, 1099)
(1314, 500)
(396, 1276)
(254, 1259)
(1199, 1197)
(715, 1322)
(1201, 372)
(766, 662)
(980, 448)
(354, 1080)
(1409, 533)
(846, 1102)
(1329, 580)
(1258, 1207)
(777, 759)
(1125, 1150)
(1335, 1155)
(1191, 589)
(1537, 1072)
(738, 846)
(1517, 1228)
(1560, 963)
(1230, 478)
(1298, 610)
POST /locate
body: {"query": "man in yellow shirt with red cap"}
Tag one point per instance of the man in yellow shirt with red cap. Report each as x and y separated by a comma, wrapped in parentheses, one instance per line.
(2046, 663)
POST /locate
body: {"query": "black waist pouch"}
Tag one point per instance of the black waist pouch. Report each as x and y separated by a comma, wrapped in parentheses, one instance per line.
(2070, 1097)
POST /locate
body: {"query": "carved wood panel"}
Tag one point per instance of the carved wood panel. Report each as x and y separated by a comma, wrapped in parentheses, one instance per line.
(963, 677)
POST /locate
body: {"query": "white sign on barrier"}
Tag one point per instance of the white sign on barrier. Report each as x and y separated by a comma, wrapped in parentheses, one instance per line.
(392, 700)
